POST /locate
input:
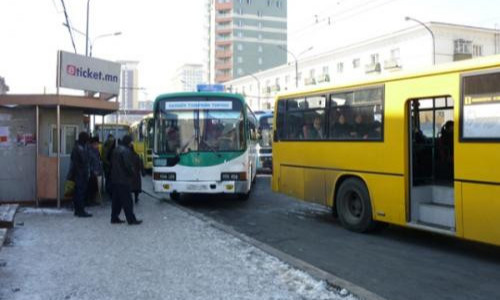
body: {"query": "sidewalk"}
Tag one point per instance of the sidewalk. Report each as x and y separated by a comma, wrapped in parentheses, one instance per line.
(172, 255)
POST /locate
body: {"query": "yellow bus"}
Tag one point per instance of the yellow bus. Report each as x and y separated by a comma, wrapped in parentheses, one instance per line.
(142, 134)
(420, 150)
(118, 130)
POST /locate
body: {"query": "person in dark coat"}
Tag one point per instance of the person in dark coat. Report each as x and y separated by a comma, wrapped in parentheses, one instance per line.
(95, 170)
(138, 172)
(107, 151)
(79, 169)
(122, 174)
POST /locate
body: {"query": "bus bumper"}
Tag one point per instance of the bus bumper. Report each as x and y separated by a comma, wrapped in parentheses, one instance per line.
(202, 187)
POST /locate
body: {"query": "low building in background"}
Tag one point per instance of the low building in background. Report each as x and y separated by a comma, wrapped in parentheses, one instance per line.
(407, 49)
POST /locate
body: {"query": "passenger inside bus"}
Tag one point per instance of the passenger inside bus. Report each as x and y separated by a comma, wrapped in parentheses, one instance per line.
(173, 138)
(376, 130)
(341, 129)
(360, 129)
(315, 130)
(445, 151)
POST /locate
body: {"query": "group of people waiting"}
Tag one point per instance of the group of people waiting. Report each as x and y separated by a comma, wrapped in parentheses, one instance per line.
(341, 129)
(122, 168)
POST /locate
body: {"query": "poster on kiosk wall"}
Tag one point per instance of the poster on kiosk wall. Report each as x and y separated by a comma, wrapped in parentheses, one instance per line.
(87, 73)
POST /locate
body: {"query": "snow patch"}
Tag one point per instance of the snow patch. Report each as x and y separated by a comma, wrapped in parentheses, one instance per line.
(44, 211)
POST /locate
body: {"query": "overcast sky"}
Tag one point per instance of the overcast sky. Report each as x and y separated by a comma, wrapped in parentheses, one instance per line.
(162, 35)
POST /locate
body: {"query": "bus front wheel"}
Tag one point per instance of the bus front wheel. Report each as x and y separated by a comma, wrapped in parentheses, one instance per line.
(354, 206)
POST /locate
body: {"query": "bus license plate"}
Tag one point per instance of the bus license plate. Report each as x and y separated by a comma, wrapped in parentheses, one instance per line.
(196, 187)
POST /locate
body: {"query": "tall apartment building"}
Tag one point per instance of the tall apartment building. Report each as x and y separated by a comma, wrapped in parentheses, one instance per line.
(244, 37)
(187, 77)
(129, 85)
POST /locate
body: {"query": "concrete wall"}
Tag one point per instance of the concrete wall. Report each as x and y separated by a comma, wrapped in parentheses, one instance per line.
(17, 158)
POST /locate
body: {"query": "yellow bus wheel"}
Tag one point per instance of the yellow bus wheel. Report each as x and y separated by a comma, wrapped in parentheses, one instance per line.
(354, 207)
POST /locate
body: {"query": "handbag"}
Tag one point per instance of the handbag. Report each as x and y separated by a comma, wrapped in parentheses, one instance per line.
(69, 188)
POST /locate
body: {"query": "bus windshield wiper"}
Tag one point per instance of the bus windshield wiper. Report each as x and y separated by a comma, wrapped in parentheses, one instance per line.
(211, 148)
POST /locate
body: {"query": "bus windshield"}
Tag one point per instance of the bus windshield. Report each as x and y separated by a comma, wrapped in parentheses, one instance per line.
(265, 128)
(195, 126)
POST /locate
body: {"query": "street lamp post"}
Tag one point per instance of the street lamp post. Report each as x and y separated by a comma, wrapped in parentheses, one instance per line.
(432, 35)
(102, 36)
(87, 32)
(295, 57)
(258, 90)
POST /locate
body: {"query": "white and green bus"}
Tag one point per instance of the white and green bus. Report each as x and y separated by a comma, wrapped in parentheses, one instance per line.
(204, 142)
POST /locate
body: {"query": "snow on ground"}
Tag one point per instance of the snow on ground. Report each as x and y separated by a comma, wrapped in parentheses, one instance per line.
(44, 211)
(172, 255)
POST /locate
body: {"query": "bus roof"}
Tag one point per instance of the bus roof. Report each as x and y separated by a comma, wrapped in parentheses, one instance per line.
(198, 95)
(452, 67)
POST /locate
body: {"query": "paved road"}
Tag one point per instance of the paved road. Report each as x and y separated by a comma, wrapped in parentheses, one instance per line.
(396, 263)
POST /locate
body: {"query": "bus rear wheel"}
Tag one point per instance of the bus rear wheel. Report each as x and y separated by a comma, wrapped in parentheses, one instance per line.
(354, 206)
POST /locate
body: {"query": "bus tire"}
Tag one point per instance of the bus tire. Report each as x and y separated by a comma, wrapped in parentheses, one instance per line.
(354, 206)
(175, 196)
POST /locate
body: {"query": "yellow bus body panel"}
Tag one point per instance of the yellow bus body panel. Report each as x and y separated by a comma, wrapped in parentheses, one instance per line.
(311, 170)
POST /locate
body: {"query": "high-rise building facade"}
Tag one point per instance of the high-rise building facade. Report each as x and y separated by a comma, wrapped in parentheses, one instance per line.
(245, 36)
(187, 77)
(129, 90)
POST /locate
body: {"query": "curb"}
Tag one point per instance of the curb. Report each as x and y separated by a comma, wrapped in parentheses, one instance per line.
(315, 272)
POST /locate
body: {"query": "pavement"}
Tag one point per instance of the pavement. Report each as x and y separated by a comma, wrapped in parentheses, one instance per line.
(50, 254)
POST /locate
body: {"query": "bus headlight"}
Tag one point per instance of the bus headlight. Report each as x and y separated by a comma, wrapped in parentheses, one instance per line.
(233, 176)
(164, 176)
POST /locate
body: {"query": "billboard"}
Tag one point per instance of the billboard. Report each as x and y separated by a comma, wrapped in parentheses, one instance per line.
(87, 73)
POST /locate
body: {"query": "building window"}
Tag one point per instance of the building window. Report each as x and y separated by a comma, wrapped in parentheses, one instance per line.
(239, 11)
(239, 71)
(260, 25)
(68, 134)
(240, 33)
(395, 54)
(260, 61)
(462, 46)
(239, 59)
(260, 36)
(340, 67)
(259, 48)
(249, 2)
(240, 23)
(279, 4)
(269, 3)
(259, 13)
(312, 73)
(325, 70)
(240, 47)
(477, 50)
(356, 63)
(287, 79)
(374, 58)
